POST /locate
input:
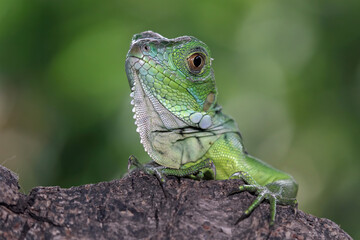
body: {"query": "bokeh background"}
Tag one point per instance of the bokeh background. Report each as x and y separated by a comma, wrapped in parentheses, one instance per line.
(287, 71)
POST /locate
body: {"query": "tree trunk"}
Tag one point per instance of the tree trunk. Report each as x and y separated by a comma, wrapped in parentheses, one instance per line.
(138, 207)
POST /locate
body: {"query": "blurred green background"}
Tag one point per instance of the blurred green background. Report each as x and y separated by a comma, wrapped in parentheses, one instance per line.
(287, 71)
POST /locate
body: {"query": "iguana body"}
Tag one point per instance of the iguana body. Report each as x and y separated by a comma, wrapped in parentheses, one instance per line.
(180, 124)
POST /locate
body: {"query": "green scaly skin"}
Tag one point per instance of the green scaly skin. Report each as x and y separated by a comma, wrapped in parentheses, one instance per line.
(181, 126)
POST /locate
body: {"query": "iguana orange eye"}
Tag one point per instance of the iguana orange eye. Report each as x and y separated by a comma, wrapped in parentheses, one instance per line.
(196, 62)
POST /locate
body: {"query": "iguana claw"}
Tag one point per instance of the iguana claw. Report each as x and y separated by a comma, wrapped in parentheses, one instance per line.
(213, 168)
(262, 193)
(149, 168)
(133, 162)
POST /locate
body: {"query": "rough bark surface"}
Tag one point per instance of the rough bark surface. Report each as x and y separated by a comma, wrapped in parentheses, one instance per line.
(137, 207)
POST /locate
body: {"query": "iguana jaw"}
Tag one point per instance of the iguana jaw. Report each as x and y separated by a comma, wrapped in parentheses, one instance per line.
(152, 119)
(145, 103)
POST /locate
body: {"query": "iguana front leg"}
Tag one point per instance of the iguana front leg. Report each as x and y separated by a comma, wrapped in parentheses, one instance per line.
(153, 168)
(231, 160)
(275, 192)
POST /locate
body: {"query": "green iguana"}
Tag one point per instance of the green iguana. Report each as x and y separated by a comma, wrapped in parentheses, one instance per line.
(181, 126)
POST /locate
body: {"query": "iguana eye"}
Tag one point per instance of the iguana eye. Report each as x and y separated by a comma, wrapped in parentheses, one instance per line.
(196, 62)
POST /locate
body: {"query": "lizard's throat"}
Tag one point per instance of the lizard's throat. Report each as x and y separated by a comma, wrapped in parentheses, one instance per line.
(151, 117)
(147, 107)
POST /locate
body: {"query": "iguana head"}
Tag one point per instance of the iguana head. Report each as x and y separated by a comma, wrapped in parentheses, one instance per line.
(174, 97)
(177, 72)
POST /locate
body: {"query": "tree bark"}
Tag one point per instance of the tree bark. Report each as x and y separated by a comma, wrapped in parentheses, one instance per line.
(139, 207)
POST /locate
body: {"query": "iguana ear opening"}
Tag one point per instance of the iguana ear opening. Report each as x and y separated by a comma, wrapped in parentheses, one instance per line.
(210, 99)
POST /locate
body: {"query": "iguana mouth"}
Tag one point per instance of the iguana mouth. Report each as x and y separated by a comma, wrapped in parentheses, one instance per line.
(129, 74)
(131, 59)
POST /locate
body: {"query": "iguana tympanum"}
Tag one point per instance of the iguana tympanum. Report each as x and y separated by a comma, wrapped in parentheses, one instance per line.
(181, 126)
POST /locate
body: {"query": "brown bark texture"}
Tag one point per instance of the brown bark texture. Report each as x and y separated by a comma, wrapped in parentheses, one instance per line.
(139, 207)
